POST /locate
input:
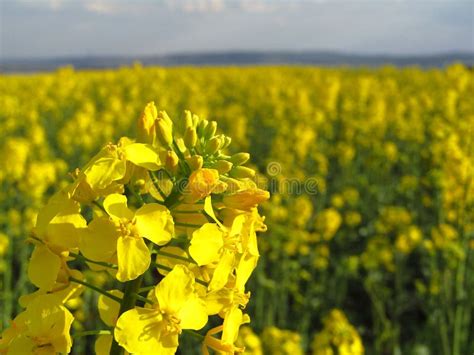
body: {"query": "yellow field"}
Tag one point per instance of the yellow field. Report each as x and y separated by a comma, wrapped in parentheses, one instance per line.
(370, 241)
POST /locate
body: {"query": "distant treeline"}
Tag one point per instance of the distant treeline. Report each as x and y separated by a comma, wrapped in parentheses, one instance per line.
(238, 58)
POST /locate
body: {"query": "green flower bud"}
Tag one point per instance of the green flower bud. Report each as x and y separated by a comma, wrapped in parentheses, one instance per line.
(213, 145)
(242, 172)
(201, 127)
(210, 130)
(227, 141)
(240, 158)
(222, 166)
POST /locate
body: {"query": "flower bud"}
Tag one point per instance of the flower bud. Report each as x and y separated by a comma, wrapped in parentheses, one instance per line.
(195, 162)
(227, 141)
(242, 172)
(195, 120)
(164, 116)
(188, 119)
(190, 137)
(210, 130)
(145, 129)
(223, 166)
(213, 145)
(240, 158)
(246, 199)
(201, 127)
(170, 160)
(164, 129)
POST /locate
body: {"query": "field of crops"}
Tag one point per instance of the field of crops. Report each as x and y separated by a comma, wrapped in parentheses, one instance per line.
(369, 246)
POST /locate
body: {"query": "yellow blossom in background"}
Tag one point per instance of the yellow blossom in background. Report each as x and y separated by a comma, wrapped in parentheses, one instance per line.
(338, 337)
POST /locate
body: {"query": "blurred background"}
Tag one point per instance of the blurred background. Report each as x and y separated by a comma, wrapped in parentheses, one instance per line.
(365, 107)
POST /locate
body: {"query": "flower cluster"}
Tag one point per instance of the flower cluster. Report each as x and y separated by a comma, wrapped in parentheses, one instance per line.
(172, 218)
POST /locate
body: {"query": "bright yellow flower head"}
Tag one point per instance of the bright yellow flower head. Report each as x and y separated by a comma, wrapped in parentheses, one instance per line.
(109, 167)
(120, 238)
(155, 330)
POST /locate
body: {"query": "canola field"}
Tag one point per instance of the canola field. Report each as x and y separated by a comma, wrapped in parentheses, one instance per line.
(365, 225)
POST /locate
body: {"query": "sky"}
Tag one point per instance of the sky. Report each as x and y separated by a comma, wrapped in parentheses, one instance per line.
(61, 28)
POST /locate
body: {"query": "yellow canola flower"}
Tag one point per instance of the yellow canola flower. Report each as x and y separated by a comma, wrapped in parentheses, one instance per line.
(109, 168)
(253, 344)
(220, 247)
(43, 328)
(119, 237)
(155, 330)
(57, 232)
(337, 334)
(4, 243)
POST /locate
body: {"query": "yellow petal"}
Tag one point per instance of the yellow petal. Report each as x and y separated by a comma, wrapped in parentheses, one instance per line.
(209, 210)
(108, 308)
(247, 264)
(99, 241)
(222, 271)
(143, 155)
(154, 222)
(105, 168)
(59, 221)
(133, 258)
(21, 345)
(116, 206)
(175, 289)
(193, 314)
(44, 267)
(103, 344)
(206, 244)
(232, 322)
(139, 331)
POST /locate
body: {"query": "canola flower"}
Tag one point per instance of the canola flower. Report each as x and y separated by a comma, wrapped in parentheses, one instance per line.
(171, 201)
(338, 337)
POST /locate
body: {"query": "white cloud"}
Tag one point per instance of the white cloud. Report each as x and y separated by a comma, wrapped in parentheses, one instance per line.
(101, 7)
(200, 6)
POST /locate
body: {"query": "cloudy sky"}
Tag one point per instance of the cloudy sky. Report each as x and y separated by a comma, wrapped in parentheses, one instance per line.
(52, 28)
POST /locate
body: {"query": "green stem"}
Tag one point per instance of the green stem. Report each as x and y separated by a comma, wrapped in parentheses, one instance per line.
(143, 299)
(99, 205)
(188, 212)
(82, 257)
(154, 180)
(95, 288)
(177, 257)
(138, 197)
(146, 289)
(187, 225)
